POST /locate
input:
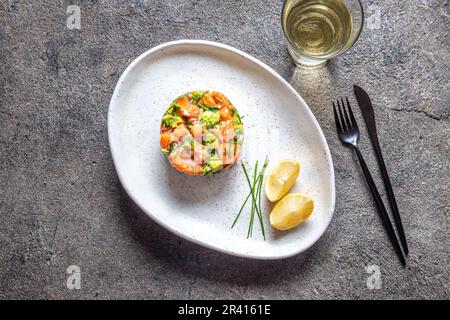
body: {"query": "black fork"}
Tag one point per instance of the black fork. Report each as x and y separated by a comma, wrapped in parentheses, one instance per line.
(348, 132)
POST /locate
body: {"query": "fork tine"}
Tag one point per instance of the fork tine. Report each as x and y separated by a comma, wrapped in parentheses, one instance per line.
(352, 117)
(336, 118)
(344, 126)
(347, 120)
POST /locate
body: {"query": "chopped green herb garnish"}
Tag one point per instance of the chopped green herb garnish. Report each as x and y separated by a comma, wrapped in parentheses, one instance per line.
(171, 121)
(236, 114)
(197, 95)
(208, 108)
(255, 194)
(172, 146)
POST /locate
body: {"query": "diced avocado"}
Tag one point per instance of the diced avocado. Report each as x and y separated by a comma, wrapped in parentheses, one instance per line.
(239, 130)
(210, 118)
(173, 107)
(209, 139)
(215, 164)
(171, 121)
(206, 169)
(197, 95)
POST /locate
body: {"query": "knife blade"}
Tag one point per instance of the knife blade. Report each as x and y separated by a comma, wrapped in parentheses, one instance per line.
(365, 105)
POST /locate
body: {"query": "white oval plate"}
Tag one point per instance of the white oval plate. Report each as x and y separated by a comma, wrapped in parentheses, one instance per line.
(201, 209)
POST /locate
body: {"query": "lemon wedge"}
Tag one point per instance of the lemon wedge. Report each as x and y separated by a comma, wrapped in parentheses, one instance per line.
(292, 210)
(281, 178)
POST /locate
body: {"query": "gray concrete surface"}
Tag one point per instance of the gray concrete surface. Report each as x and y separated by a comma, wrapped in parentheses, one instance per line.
(61, 202)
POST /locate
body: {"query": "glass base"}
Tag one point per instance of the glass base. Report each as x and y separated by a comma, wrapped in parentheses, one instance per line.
(302, 61)
(307, 64)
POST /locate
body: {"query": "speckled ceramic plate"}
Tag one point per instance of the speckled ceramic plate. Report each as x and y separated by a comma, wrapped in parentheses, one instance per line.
(277, 121)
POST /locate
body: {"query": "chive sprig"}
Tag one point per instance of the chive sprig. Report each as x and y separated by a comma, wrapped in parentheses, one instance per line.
(255, 186)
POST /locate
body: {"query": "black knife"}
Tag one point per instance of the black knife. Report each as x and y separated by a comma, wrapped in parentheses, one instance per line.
(367, 111)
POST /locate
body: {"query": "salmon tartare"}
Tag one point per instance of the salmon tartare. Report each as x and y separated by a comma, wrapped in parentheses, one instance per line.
(201, 133)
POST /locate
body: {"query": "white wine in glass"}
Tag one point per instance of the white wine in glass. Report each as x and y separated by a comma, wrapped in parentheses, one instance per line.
(317, 30)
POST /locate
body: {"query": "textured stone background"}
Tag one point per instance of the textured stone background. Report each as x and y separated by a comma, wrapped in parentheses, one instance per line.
(61, 202)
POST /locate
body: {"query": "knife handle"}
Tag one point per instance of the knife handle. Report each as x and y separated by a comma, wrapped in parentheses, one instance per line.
(391, 197)
(380, 207)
